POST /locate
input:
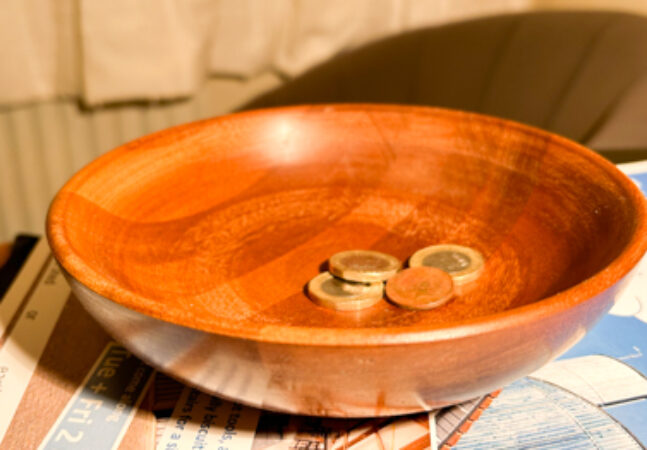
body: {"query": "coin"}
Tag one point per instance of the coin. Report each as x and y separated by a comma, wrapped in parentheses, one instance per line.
(364, 266)
(334, 293)
(420, 288)
(464, 264)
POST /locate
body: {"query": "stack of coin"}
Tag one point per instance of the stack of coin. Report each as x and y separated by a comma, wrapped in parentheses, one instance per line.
(355, 281)
(364, 266)
(334, 293)
(356, 278)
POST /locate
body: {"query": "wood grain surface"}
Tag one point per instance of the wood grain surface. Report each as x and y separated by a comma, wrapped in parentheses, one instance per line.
(218, 225)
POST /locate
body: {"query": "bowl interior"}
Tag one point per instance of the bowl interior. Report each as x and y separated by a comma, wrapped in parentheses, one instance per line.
(220, 224)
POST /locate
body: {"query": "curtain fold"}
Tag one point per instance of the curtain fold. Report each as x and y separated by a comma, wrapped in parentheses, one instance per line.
(121, 50)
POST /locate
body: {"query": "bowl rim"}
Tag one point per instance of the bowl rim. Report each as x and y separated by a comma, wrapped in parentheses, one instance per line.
(541, 309)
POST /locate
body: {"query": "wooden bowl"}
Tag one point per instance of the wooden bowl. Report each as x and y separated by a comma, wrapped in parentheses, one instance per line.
(192, 246)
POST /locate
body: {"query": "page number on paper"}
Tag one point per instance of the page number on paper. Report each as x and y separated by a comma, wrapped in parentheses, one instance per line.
(64, 434)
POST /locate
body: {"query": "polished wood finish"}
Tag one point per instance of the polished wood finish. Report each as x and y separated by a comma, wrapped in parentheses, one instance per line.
(218, 226)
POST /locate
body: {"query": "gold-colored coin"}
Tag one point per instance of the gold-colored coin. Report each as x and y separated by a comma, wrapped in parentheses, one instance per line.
(364, 266)
(331, 292)
(464, 264)
(420, 288)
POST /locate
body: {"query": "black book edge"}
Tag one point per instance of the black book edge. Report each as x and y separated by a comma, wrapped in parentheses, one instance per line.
(21, 248)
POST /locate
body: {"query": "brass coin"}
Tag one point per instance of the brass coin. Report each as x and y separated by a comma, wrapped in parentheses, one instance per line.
(364, 266)
(420, 288)
(464, 264)
(334, 293)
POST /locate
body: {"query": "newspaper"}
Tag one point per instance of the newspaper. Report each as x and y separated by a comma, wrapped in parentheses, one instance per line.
(201, 421)
(63, 383)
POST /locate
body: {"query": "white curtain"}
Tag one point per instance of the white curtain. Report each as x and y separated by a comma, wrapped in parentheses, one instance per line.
(120, 50)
